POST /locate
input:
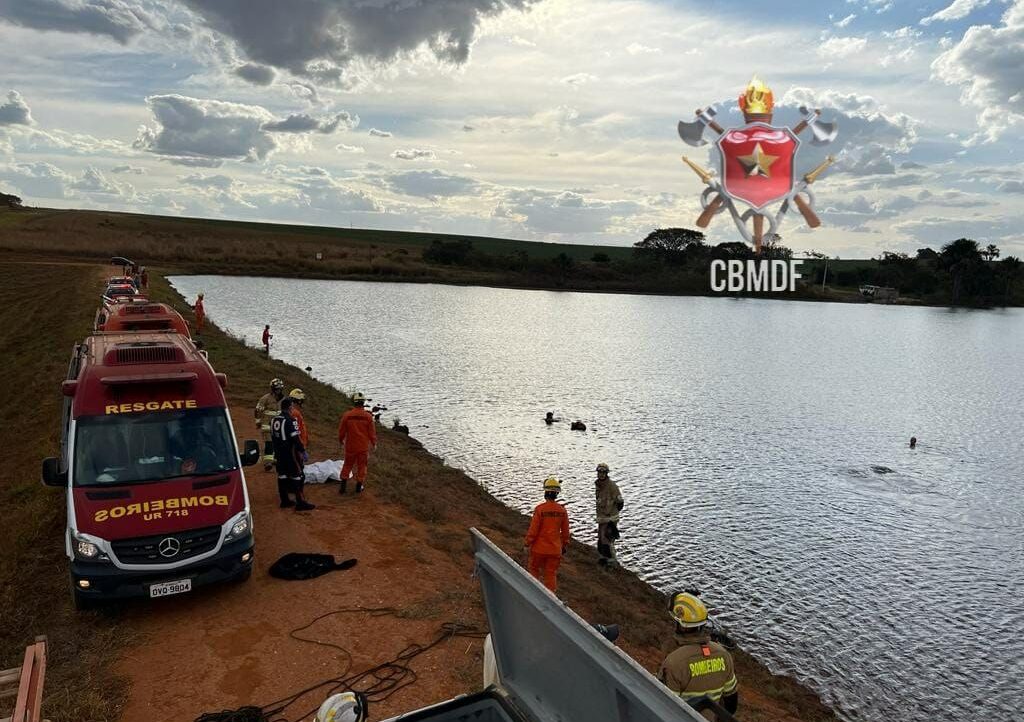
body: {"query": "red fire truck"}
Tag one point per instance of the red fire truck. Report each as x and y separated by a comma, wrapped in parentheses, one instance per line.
(139, 316)
(156, 498)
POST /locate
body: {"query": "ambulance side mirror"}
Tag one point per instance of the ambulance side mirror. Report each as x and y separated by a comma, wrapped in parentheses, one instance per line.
(52, 475)
(251, 453)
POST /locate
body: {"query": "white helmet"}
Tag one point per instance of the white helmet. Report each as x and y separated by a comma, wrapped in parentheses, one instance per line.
(343, 707)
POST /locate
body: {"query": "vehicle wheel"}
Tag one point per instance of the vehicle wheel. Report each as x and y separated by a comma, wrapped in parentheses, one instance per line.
(244, 576)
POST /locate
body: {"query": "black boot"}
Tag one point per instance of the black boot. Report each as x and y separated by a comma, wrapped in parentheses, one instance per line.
(283, 487)
(344, 485)
(359, 487)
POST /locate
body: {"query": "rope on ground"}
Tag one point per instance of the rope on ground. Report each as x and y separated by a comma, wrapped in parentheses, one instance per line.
(378, 683)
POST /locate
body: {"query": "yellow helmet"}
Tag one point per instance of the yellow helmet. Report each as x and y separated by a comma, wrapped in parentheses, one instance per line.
(552, 484)
(602, 467)
(358, 397)
(688, 610)
(297, 394)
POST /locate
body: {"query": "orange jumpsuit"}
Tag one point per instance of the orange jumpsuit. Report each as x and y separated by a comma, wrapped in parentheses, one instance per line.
(358, 434)
(547, 539)
(303, 431)
(200, 314)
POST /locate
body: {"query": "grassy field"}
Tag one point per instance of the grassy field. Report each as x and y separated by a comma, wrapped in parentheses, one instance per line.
(44, 310)
(64, 231)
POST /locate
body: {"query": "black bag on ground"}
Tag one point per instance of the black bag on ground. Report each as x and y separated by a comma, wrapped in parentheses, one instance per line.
(297, 565)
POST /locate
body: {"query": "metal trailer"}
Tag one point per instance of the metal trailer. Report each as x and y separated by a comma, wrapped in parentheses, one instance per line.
(552, 665)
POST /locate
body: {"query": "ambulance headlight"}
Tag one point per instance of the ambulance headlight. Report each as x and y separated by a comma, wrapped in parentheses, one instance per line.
(86, 549)
(240, 526)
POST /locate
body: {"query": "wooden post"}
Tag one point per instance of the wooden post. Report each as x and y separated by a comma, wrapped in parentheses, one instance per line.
(758, 232)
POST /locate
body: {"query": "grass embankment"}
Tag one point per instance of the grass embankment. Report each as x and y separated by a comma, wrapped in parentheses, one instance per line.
(189, 245)
(448, 502)
(44, 310)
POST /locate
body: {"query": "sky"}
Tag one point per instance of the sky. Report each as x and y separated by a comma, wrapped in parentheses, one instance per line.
(545, 120)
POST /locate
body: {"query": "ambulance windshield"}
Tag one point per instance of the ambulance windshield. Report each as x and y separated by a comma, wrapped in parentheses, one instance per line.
(133, 448)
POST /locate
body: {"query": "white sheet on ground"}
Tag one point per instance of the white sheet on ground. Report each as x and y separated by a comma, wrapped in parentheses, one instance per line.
(322, 471)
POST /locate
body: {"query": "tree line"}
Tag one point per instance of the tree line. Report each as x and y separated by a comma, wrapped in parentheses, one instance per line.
(676, 260)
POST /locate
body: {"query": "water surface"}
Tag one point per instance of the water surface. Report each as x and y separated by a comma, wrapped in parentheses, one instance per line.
(761, 447)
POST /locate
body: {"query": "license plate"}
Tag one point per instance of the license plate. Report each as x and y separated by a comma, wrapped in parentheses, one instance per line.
(166, 589)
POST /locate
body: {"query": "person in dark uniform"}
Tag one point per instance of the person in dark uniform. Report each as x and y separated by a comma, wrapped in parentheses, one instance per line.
(288, 454)
(698, 667)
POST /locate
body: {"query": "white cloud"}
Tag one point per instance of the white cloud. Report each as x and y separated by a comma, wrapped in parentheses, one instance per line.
(93, 181)
(579, 79)
(129, 169)
(15, 111)
(956, 11)
(846, 21)
(350, 148)
(193, 129)
(221, 182)
(988, 65)
(305, 123)
(431, 184)
(562, 212)
(37, 180)
(838, 48)
(380, 133)
(640, 49)
(414, 154)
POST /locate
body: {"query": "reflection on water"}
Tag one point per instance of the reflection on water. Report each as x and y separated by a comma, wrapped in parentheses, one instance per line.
(761, 447)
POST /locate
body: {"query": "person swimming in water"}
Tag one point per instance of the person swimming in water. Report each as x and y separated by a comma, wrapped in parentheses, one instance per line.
(549, 418)
(913, 442)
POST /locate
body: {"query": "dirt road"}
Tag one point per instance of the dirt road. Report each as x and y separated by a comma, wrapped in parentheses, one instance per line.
(225, 647)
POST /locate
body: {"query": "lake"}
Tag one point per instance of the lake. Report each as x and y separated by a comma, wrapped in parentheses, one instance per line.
(761, 446)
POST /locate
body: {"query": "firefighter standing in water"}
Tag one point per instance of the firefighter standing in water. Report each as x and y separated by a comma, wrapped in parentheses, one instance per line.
(698, 667)
(266, 409)
(298, 397)
(200, 313)
(358, 434)
(548, 537)
(288, 452)
(266, 338)
(609, 504)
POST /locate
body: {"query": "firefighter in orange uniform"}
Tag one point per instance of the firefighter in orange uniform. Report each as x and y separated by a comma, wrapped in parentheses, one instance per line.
(548, 538)
(200, 313)
(357, 432)
(299, 397)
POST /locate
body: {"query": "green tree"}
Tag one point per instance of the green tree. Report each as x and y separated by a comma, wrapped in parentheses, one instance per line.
(601, 258)
(671, 245)
(991, 252)
(1011, 269)
(773, 248)
(563, 264)
(961, 259)
(732, 249)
